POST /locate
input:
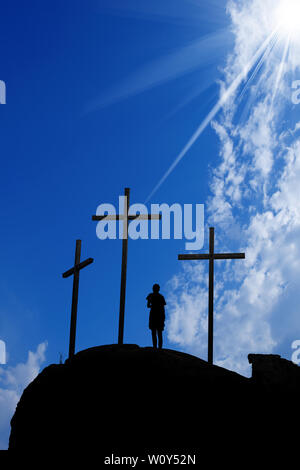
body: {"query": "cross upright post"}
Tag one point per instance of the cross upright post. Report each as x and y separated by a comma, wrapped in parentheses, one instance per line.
(75, 272)
(211, 295)
(126, 217)
(211, 256)
(123, 267)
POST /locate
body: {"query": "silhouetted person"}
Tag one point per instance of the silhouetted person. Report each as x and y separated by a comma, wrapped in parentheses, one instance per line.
(156, 302)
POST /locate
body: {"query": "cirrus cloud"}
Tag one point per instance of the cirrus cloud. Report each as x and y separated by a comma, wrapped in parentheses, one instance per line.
(254, 205)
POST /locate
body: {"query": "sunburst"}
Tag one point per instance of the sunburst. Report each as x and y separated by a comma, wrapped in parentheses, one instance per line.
(287, 16)
(281, 27)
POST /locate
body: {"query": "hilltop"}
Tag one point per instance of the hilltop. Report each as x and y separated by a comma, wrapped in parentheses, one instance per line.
(114, 399)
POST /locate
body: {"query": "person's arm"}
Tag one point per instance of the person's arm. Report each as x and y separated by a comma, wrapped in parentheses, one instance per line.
(149, 305)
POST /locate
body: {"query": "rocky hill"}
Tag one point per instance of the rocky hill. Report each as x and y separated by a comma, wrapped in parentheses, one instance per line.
(130, 400)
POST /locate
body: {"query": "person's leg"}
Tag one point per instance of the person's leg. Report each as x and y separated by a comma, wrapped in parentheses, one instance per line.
(160, 339)
(154, 341)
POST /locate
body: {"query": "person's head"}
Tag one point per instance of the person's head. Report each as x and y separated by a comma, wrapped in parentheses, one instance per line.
(156, 288)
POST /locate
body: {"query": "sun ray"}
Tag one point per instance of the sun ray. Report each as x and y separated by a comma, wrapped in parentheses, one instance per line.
(263, 58)
(280, 72)
(177, 63)
(225, 96)
(250, 100)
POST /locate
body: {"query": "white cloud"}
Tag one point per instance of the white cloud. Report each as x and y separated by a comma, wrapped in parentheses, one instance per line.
(254, 205)
(13, 380)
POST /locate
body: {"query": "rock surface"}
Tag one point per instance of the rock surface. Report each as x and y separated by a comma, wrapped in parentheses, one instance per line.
(132, 400)
(271, 370)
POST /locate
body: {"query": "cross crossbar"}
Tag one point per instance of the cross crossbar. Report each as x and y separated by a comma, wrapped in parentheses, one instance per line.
(214, 256)
(78, 267)
(99, 218)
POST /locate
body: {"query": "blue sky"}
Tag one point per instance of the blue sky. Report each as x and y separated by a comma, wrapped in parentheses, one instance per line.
(103, 95)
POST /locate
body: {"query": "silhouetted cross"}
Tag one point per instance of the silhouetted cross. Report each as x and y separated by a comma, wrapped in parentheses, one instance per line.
(211, 256)
(126, 218)
(75, 271)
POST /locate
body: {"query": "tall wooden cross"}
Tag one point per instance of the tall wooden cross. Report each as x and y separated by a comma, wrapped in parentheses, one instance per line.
(211, 256)
(75, 272)
(126, 218)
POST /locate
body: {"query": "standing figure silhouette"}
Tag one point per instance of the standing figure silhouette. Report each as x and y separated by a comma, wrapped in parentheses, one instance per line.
(156, 302)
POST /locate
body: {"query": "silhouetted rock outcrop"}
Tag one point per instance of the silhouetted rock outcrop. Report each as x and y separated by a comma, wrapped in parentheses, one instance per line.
(131, 400)
(271, 370)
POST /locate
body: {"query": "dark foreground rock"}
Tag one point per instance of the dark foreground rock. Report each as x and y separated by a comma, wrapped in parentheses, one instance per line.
(274, 372)
(126, 400)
